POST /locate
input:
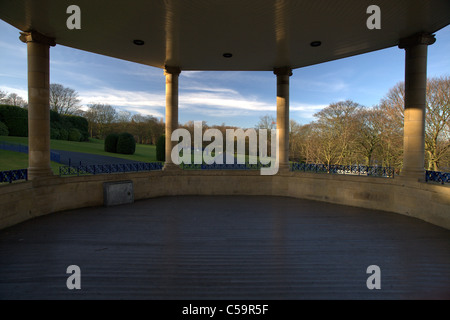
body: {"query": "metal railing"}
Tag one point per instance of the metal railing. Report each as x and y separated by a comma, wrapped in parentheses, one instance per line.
(109, 168)
(215, 166)
(373, 171)
(437, 176)
(13, 175)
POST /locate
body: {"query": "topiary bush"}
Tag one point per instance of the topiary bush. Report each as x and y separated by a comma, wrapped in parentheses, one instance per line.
(3, 129)
(126, 143)
(74, 135)
(111, 142)
(161, 148)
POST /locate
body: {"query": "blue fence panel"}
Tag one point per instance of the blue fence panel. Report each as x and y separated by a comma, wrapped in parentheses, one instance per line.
(13, 175)
(376, 171)
(109, 168)
(437, 176)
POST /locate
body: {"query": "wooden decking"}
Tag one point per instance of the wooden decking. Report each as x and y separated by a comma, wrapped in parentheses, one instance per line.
(225, 247)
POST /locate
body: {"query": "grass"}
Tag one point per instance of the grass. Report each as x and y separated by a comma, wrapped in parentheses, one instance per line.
(10, 160)
(144, 153)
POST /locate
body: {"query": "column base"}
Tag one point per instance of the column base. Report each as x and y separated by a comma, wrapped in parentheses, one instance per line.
(284, 168)
(35, 172)
(171, 167)
(412, 175)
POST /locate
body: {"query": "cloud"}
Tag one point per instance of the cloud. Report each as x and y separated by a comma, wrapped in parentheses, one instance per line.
(21, 92)
(134, 101)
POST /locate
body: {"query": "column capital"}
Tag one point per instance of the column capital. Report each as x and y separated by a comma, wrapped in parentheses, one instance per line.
(423, 38)
(283, 71)
(172, 70)
(34, 36)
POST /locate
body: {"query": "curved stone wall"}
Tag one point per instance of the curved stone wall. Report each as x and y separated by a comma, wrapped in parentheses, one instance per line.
(429, 202)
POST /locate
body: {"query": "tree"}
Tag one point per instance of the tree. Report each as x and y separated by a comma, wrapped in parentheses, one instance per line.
(335, 129)
(2, 96)
(437, 131)
(266, 122)
(295, 140)
(99, 117)
(437, 137)
(63, 100)
(14, 99)
(368, 133)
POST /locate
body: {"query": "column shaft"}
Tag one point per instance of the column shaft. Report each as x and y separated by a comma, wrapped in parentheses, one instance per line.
(416, 48)
(38, 48)
(172, 74)
(283, 75)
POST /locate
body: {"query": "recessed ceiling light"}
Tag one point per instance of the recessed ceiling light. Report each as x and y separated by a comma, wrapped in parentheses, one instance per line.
(315, 43)
(227, 55)
(138, 42)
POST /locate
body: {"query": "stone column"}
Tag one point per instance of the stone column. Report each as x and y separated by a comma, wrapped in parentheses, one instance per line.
(283, 75)
(38, 48)
(172, 74)
(416, 48)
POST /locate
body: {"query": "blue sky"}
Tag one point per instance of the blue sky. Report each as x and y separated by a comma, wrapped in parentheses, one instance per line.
(234, 98)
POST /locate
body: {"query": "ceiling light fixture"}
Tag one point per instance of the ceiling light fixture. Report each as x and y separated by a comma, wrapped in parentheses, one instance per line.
(138, 42)
(315, 43)
(227, 55)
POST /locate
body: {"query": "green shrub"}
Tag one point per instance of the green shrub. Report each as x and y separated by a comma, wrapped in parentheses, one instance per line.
(54, 116)
(126, 143)
(161, 148)
(3, 129)
(77, 122)
(111, 142)
(15, 119)
(63, 134)
(74, 135)
(54, 133)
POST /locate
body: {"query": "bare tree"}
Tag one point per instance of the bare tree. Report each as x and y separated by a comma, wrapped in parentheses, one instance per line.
(99, 117)
(3, 95)
(437, 137)
(336, 127)
(14, 99)
(266, 122)
(63, 100)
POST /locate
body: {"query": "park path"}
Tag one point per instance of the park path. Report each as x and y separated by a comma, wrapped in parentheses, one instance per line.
(89, 159)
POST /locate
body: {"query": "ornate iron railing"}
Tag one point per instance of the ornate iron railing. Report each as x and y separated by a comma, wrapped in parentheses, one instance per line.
(109, 168)
(13, 175)
(216, 166)
(437, 176)
(374, 171)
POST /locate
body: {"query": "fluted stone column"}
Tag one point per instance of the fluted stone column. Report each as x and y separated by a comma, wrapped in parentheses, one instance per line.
(172, 74)
(283, 75)
(38, 48)
(416, 48)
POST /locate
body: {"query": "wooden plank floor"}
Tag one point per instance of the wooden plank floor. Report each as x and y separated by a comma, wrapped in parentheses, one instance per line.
(225, 247)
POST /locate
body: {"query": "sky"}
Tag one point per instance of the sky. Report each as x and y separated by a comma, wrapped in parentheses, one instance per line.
(230, 97)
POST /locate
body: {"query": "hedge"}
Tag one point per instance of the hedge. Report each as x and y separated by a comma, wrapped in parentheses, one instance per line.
(74, 135)
(3, 129)
(161, 148)
(16, 120)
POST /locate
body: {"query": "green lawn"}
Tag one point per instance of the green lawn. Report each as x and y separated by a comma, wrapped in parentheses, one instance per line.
(145, 153)
(10, 160)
